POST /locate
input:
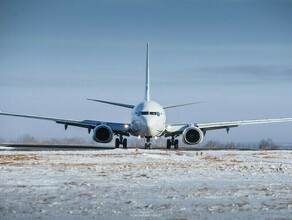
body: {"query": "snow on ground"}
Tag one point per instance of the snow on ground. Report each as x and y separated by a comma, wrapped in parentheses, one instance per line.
(145, 184)
(6, 148)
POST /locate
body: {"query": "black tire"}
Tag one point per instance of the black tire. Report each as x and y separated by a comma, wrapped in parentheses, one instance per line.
(147, 145)
(125, 143)
(117, 144)
(168, 144)
(175, 144)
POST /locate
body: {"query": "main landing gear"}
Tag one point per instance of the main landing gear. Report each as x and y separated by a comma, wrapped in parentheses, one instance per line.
(173, 142)
(122, 141)
(147, 144)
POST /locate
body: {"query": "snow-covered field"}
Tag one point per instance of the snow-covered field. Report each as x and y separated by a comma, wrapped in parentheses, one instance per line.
(151, 184)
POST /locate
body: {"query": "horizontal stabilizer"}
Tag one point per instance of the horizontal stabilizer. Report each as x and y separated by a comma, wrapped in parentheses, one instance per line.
(113, 103)
(174, 106)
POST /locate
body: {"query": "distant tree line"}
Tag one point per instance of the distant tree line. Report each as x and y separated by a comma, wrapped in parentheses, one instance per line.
(263, 145)
(268, 145)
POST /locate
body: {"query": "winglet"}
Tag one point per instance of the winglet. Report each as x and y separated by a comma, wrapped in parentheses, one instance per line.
(147, 91)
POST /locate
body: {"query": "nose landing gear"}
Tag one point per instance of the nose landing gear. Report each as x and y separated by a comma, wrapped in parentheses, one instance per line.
(122, 141)
(147, 144)
(171, 142)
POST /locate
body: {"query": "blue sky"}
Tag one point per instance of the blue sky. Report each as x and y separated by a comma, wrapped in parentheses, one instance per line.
(234, 55)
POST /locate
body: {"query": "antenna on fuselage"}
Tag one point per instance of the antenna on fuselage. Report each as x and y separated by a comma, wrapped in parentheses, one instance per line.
(147, 92)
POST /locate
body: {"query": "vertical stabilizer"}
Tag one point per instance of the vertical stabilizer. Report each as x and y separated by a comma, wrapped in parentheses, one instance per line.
(147, 92)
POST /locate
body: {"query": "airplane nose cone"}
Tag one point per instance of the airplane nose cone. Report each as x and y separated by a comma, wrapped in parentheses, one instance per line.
(148, 126)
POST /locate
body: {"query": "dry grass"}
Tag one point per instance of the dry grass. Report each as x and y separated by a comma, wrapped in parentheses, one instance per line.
(19, 160)
(237, 161)
(214, 159)
(270, 157)
(72, 164)
(205, 189)
(34, 159)
(125, 165)
(116, 155)
(262, 153)
(230, 155)
(241, 204)
(105, 155)
(179, 154)
(143, 175)
(163, 154)
(19, 157)
(267, 155)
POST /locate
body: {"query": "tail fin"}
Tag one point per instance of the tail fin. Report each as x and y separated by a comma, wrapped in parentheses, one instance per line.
(147, 91)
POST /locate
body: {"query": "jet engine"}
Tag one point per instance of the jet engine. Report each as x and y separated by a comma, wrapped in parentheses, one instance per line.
(192, 135)
(102, 134)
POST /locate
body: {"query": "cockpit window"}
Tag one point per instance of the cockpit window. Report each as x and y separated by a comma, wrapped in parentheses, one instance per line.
(148, 113)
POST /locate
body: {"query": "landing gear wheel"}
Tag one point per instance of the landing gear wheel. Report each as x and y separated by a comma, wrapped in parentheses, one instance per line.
(175, 144)
(168, 144)
(117, 144)
(147, 145)
(125, 143)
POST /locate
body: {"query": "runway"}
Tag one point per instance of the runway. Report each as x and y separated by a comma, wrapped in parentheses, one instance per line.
(40, 147)
(64, 147)
(145, 184)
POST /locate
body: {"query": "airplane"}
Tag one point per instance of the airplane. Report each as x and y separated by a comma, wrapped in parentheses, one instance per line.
(148, 120)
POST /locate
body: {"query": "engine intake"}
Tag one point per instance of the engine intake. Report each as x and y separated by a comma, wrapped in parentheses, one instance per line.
(192, 135)
(102, 134)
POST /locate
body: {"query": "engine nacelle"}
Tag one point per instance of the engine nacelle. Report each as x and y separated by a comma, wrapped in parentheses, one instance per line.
(102, 134)
(192, 135)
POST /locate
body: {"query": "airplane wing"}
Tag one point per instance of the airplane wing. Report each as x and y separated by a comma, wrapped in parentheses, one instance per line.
(89, 124)
(179, 128)
(113, 103)
(179, 105)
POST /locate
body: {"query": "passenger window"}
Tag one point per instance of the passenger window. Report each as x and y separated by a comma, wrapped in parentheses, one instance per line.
(152, 113)
(145, 113)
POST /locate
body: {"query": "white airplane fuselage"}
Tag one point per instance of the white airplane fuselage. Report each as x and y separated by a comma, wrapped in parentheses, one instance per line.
(148, 119)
